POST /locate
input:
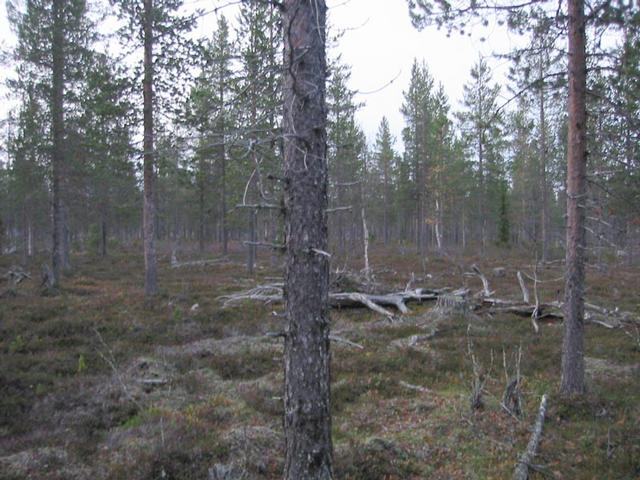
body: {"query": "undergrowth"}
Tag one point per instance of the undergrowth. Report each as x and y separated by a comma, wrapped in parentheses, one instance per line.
(97, 381)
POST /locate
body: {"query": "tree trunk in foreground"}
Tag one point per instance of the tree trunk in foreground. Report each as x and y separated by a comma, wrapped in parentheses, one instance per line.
(148, 222)
(573, 342)
(307, 392)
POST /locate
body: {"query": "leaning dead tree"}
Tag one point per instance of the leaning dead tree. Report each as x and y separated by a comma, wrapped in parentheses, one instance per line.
(522, 469)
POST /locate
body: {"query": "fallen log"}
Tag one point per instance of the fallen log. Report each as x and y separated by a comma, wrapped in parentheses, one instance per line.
(380, 303)
(195, 263)
(355, 299)
(272, 294)
(15, 275)
(522, 468)
(541, 311)
(198, 263)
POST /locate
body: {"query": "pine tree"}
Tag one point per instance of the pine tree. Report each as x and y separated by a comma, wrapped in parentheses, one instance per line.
(155, 26)
(209, 112)
(481, 124)
(539, 79)
(428, 152)
(385, 164)
(307, 418)
(104, 128)
(455, 15)
(260, 93)
(27, 172)
(345, 155)
(417, 110)
(53, 46)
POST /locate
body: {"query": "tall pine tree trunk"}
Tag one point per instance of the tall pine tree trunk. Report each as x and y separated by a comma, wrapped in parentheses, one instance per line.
(148, 229)
(307, 376)
(57, 134)
(253, 237)
(223, 206)
(483, 196)
(573, 342)
(222, 154)
(201, 206)
(103, 236)
(544, 219)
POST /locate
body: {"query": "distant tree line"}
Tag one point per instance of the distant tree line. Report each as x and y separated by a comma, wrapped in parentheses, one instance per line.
(489, 174)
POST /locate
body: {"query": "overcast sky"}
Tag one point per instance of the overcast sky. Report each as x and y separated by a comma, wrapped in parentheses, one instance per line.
(379, 43)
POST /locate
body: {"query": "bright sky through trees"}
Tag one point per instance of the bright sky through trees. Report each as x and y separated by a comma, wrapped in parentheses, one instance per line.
(379, 43)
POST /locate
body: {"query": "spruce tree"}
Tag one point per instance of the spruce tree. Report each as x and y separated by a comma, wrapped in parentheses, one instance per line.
(157, 27)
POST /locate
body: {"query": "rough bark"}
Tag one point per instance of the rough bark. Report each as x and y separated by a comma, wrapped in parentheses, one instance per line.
(57, 134)
(573, 342)
(150, 261)
(307, 420)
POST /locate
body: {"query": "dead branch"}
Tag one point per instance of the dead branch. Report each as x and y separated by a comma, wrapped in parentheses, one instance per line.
(354, 298)
(272, 294)
(333, 338)
(522, 468)
(257, 206)
(523, 287)
(536, 310)
(15, 275)
(448, 302)
(485, 283)
(413, 387)
(479, 378)
(262, 293)
(195, 263)
(109, 359)
(512, 399)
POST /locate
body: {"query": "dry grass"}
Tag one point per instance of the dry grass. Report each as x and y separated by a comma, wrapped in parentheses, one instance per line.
(167, 391)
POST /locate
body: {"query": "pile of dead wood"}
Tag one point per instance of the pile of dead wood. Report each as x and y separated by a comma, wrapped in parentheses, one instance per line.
(353, 290)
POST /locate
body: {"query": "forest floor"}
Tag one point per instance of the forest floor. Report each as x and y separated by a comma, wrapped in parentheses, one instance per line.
(98, 382)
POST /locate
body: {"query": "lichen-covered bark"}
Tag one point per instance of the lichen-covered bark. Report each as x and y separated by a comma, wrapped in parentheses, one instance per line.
(307, 376)
(573, 343)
